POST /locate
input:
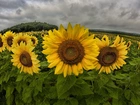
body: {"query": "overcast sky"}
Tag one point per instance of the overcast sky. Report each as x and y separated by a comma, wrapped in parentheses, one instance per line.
(120, 15)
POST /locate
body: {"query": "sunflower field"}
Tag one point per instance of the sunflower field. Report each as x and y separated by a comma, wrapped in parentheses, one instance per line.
(69, 66)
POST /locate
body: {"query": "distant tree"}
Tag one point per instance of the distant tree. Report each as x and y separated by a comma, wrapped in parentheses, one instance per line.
(30, 26)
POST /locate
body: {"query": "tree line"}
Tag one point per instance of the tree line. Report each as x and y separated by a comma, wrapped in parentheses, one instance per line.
(30, 26)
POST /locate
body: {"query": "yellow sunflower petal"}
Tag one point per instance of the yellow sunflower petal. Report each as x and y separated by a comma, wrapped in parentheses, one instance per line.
(59, 69)
(52, 57)
(54, 63)
(69, 70)
(75, 70)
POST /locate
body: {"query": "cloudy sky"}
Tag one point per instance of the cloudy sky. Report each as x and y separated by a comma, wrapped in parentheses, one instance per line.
(120, 15)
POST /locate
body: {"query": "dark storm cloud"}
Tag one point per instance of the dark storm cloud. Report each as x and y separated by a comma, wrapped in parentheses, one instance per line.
(121, 15)
(18, 11)
(134, 15)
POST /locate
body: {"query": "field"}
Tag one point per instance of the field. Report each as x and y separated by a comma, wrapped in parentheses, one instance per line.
(22, 87)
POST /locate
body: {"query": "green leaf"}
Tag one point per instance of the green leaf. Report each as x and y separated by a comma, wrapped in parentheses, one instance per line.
(90, 75)
(113, 92)
(39, 84)
(119, 101)
(135, 61)
(106, 103)
(19, 77)
(7, 76)
(18, 100)
(103, 79)
(44, 64)
(9, 90)
(27, 94)
(135, 99)
(64, 84)
(42, 102)
(1, 78)
(111, 84)
(94, 100)
(61, 102)
(19, 86)
(9, 100)
(127, 94)
(73, 101)
(9, 94)
(120, 76)
(135, 79)
(81, 88)
(69, 101)
(51, 93)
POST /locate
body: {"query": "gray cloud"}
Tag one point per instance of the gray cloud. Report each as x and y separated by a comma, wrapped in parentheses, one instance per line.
(12, 4)
(120, 15)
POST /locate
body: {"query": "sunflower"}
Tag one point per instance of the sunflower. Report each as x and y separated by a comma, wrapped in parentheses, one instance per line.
(25, 59)
(70, 50)
(21, 37)
(43, 33)
(8, 39)
(138, 45)
(34, 40)
(111, 56)
(128, 44)
(45, 38)
(2, 48)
